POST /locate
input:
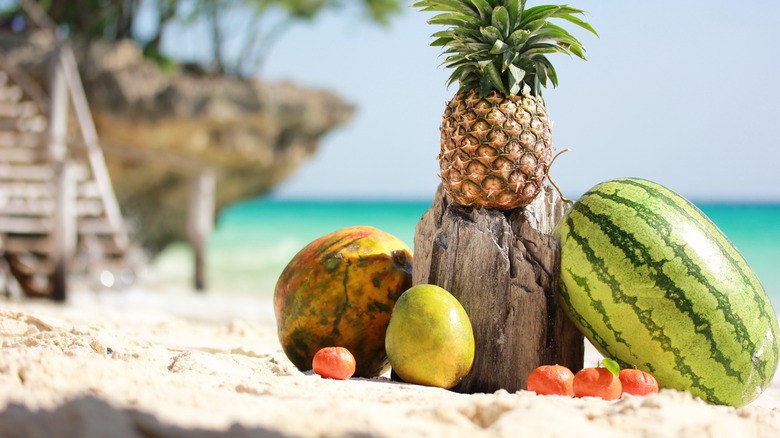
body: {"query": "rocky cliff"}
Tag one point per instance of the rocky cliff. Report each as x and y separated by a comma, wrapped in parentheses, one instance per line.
(158, 129)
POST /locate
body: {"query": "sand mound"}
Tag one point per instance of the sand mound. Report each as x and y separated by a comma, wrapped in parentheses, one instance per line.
(98, 370)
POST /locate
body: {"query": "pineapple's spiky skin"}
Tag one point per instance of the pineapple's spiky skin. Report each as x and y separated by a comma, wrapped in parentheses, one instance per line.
(496, 150)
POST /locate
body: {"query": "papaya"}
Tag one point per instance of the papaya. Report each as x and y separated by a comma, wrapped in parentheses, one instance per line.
(339, 291)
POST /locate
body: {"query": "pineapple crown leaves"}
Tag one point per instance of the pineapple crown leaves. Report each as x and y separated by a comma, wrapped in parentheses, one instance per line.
(500, 45)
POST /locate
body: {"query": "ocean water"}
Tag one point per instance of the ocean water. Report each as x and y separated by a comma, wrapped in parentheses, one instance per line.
(254, 240)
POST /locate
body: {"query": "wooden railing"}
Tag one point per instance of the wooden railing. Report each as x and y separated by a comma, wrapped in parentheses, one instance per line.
(66, 88)
(67, 64)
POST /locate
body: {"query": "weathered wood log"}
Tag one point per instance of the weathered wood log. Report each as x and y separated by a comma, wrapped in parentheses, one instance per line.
(503, 268)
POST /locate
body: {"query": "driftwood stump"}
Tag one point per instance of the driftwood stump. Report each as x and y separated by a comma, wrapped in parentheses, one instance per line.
(503, 268)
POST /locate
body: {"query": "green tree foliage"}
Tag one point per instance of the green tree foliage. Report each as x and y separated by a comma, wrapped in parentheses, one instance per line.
(264, 22)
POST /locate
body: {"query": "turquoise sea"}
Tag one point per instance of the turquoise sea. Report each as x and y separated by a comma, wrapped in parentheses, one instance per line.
(254, 240)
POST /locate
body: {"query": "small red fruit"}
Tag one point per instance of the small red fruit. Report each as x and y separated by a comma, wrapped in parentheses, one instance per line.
(638, 382)
(597, 382)
(551, 380)
(334, 363)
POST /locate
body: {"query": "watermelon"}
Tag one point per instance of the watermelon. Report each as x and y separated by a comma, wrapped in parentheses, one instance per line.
(655, 285)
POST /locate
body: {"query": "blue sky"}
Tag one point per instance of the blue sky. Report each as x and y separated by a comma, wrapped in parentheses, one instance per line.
(682, 93)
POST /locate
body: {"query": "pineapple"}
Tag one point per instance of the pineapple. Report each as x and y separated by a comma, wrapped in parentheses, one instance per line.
(496, 137)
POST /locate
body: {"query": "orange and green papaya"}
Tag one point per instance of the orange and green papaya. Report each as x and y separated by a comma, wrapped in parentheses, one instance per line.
(340, 291)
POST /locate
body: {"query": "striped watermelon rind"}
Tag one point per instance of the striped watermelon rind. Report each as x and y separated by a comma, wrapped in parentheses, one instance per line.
(654, 284)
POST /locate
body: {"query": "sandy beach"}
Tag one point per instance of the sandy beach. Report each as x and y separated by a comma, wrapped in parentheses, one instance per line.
(143, 364)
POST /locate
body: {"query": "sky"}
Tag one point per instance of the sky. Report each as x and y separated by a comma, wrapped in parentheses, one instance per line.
(685, 94)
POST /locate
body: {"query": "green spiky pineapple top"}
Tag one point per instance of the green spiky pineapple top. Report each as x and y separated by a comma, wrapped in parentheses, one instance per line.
(500, 45)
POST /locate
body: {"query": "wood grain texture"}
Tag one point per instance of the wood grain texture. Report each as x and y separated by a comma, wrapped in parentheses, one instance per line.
(503, 268)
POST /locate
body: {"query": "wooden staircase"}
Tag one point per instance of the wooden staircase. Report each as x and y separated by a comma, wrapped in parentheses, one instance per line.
(57, 217)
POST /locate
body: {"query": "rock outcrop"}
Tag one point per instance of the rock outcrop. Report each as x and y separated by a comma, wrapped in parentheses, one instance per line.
(158, 129)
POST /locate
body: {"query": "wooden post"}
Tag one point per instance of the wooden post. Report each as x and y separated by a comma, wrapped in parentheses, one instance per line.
(64, 235)
(503, 268)
(201, 221)
(6, 276)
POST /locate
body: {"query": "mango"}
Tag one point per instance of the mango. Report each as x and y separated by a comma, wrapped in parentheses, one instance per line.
(430, 340)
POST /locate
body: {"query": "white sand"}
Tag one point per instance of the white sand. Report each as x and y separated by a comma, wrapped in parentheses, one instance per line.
(135, 364)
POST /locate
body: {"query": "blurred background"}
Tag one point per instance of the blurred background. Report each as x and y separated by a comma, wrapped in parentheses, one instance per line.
(683, 94)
